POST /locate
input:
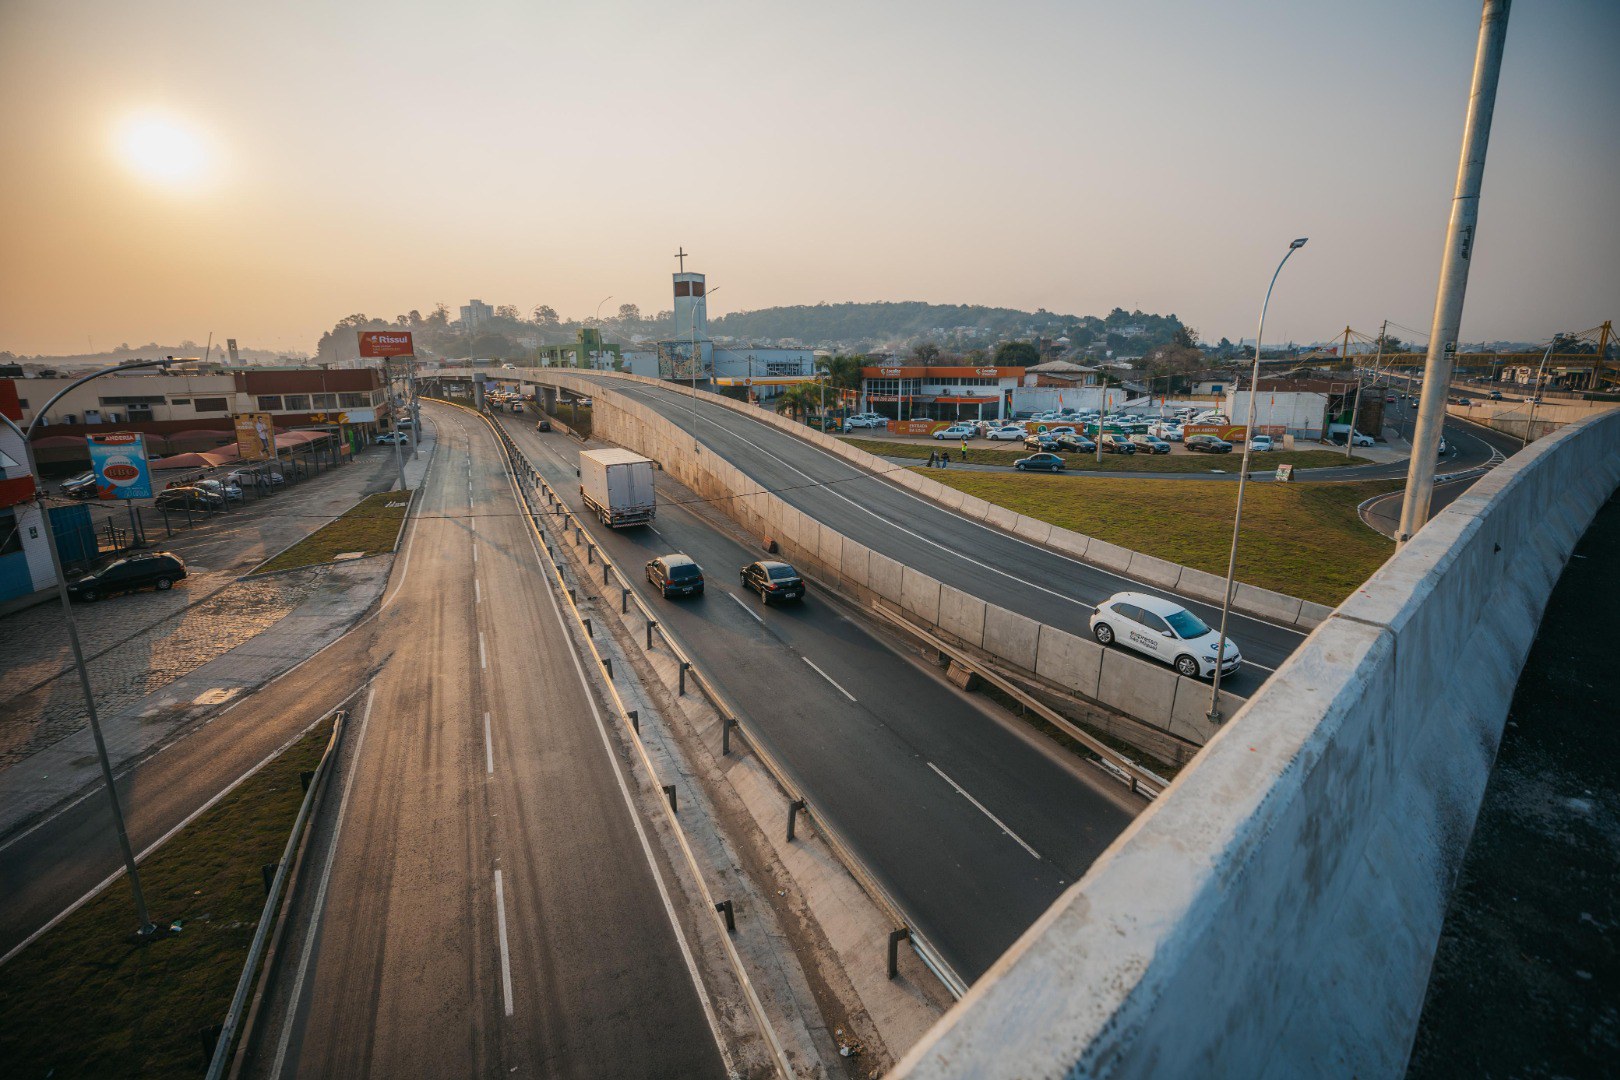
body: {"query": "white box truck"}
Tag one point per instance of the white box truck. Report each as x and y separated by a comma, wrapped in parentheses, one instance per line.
(618, 486)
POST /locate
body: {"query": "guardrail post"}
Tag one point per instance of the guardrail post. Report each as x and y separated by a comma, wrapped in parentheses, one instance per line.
(651, 626)
(793, 817)
(590, 553)
(572, 598)
(635, 719)
(209, 1038)
(669, 789)
(725, 734)
(724, 907)
(895, 938)
(624, 600)
(607, 662)
(587, 621)
(606, 567)
(684, 666)
(304, 778)
(268, 872)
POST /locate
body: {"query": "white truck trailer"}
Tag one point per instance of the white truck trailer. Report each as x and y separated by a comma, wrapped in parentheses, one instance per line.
(618, 486)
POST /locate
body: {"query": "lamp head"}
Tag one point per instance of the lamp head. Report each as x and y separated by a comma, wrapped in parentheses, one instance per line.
(1298, 243)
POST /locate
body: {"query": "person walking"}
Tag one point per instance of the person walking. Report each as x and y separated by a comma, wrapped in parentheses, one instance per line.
(964, 448)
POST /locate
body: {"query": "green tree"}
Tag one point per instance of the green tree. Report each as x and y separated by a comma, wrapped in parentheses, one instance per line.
(844, 372)
(925, 353)
(799, 399)
(1185, 337)
(629, 313)
(1017, 354)
(546, 315)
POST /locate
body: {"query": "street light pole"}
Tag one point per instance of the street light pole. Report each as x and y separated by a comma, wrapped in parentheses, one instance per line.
(144, 920)
(1535, 396)
(1243, 478)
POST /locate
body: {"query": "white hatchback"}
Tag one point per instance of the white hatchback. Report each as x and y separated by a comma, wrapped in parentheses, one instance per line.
(1165, 631)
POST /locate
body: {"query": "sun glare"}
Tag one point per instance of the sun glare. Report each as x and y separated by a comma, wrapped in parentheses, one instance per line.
(162, 150)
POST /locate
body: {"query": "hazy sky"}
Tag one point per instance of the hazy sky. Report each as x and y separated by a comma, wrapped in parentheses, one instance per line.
(1072, 155)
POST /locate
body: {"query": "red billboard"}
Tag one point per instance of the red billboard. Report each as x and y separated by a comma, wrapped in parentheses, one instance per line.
(386, 343)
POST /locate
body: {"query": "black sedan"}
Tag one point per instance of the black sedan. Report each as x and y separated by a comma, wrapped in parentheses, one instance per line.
(542, 424)
(773, 580)
(1207, 444)
(1076, 444)
(1040, 463)
(1042, 441)
(158, 569)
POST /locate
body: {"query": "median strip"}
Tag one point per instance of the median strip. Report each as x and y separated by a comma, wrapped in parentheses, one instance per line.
(370, 527)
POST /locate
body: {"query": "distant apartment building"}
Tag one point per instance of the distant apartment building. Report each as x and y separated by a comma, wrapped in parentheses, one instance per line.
(476, 315)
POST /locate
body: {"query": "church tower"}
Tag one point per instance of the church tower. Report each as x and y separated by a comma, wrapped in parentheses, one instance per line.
(691, 307)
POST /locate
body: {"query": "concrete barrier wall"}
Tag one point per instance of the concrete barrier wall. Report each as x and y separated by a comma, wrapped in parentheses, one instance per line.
(1144, 690)
(1275, 913)
(1196, 584)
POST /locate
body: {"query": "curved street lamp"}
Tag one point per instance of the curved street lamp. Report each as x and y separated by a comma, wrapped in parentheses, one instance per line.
(1243, 476)
(145, 926)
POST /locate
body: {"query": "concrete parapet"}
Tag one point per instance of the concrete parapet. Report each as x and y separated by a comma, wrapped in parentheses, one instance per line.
(1140, 688)
(1034, 530)
(1201, 585)
(1276, 911)
(1155, 571)
(919, 595)
(883, 576)
(1311, 615)
(1074, 663)
(1110, 556)
(1266, 604)
(1011, 636)
(961, 616)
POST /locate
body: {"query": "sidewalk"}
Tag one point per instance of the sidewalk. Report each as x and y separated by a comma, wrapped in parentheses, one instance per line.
(161, 663)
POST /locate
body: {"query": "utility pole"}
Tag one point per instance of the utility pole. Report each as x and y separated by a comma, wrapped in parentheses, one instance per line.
(1355, 407)
(399, 462)
(1603, 348)
(1454, 266)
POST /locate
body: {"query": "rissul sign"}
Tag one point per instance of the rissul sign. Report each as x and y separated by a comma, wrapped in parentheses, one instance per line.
(375, 343)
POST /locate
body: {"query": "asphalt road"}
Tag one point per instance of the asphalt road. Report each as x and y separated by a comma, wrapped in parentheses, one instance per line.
(491, 906)
(982, 561)
(972, 826)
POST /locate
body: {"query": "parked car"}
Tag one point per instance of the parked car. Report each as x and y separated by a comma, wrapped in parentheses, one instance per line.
(1261, 444)
(1465, 401)
(1075, 444)
(224, 490)
(542, 424)
(1039, 463)
(1358, 438)
(159, 569)
(1150, 443)
(1041, 442)
(861, 422)
(254, 478)
(1165, 631)
(1116, 444)
(188, 498)
(405, 421)
(1391, 398)
(1006, 433)
(676, 575)
(82, 486)
(390, 438)
(957, 431)
(1168, 431)
(1496, 395)
(1207, 444)
(773, 581)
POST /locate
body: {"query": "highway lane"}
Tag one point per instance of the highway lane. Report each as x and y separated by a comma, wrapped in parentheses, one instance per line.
(978, 559)
(491, 907)
(877, 741)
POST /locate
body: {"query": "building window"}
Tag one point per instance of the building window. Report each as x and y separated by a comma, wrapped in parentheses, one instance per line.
(354, 401)
(22, 402)
(269, 404)
(133, 400)
(683, 288)
(296, 403)
(10, 535)
(210, 404)
(180, 401)
(324, 401)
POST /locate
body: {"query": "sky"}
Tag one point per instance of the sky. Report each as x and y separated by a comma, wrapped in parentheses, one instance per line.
(177, 169)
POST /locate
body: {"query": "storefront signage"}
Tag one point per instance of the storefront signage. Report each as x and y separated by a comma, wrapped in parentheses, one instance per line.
(119, 460)
(926, 373)
(915, 427)
(255, 437)
(386, 343)
(1232, 433)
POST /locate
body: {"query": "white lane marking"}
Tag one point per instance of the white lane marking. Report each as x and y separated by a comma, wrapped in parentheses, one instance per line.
(472, 523)
(655, 532)
(478, 592)
(320, 895)
(475, 551)
(1002, 825)
(489, 749)
(752, 614)
(506, 957)
(483, 661)
(828, 677)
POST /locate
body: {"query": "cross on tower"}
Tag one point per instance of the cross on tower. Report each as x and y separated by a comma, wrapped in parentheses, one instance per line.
(681, 255)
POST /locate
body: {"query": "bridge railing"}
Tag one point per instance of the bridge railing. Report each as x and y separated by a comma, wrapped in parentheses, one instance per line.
(1275, 913)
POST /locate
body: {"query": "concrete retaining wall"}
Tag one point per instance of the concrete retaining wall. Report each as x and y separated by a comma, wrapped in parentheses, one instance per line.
(1144, 690)
(1275, 912)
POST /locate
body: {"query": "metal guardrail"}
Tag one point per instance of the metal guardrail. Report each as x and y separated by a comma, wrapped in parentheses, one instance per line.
(233, 1016)
(732, 720)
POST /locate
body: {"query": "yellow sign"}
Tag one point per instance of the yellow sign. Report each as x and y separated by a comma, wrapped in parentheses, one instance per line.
(255, 437)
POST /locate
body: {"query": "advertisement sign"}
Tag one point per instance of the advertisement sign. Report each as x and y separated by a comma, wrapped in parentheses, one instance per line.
(386, 343)
(915, 427)
(1232, 433)
(119, 460)
(1285, 473)
(255, 437)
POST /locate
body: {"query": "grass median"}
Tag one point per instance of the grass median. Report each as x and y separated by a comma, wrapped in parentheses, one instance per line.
(1305, 540)
(86, 1000)
(1165, 463)
(370, 527)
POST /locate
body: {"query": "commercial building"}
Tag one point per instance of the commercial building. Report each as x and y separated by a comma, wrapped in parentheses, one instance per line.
(475, 315)
(25, 561)
(1309, 408)
(192, 410)
(587, 351)
(904, 392)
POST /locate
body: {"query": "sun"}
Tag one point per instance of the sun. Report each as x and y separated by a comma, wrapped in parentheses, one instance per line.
(162, 150)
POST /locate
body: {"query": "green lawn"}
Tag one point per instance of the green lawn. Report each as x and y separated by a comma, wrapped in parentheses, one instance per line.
(1169, 463)
(85, 1000)
(1301, 539)
(370, 527)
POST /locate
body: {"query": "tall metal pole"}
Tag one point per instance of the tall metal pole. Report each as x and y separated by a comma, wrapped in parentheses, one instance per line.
(1355, 407)
(1535, 396)
(1243, 477)
(1448, 303)
(399, 462)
